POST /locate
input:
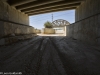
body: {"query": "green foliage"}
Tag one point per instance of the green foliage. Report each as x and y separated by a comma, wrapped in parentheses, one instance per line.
(48, 24)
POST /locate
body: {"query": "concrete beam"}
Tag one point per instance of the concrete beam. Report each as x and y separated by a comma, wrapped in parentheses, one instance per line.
(4, 0)
(19, 2)
(49, 6)
(55, 8)
(36, 3)
(49, 11)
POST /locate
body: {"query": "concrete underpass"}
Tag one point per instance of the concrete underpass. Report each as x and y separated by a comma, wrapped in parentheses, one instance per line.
(23, 52)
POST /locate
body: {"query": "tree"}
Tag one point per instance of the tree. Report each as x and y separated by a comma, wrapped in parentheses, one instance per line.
(48, 24)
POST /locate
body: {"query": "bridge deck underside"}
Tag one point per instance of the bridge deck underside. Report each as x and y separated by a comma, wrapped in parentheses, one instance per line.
(50, 56)
(34, 7)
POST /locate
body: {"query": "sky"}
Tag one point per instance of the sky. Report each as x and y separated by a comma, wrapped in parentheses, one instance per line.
(37, 21)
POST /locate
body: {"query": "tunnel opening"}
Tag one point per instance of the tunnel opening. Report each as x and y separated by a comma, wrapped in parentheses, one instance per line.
(57, 20)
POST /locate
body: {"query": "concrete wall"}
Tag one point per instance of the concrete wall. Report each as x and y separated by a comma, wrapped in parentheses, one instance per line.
(59, 30)
(1, 29)
(48, 31)
(9, 28)
(11, 14)
(13, 21)
(87, 25)
(87, 8)
(37, 31)
(85, 31)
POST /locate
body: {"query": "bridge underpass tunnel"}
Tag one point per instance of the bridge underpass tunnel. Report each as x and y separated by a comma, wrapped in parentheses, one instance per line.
(76, 54)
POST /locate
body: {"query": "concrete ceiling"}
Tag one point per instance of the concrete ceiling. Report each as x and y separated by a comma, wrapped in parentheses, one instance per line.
(34, 7)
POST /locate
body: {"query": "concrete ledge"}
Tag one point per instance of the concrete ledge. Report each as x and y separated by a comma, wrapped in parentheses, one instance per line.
(10, 28)
(13, 39)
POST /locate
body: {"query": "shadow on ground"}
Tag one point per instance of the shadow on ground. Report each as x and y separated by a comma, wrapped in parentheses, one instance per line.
(50, 56)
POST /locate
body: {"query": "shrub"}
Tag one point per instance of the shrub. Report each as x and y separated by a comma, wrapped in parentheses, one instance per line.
(48, 24)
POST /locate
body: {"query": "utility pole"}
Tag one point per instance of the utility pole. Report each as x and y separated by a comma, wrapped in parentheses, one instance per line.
(52, 17)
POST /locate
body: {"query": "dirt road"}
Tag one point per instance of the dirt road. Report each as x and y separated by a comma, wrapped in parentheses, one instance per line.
(50, 56)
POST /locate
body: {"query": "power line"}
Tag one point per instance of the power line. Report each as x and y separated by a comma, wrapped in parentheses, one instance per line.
(39, 16)
(53, 16)
(65, 13)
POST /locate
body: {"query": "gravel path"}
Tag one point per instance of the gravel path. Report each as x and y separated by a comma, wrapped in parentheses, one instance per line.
(50, 56)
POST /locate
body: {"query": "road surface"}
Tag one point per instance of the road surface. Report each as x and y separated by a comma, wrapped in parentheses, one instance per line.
(50, 56)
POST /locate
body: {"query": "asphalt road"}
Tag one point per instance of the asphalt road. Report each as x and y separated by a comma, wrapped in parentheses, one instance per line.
(50, 56)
